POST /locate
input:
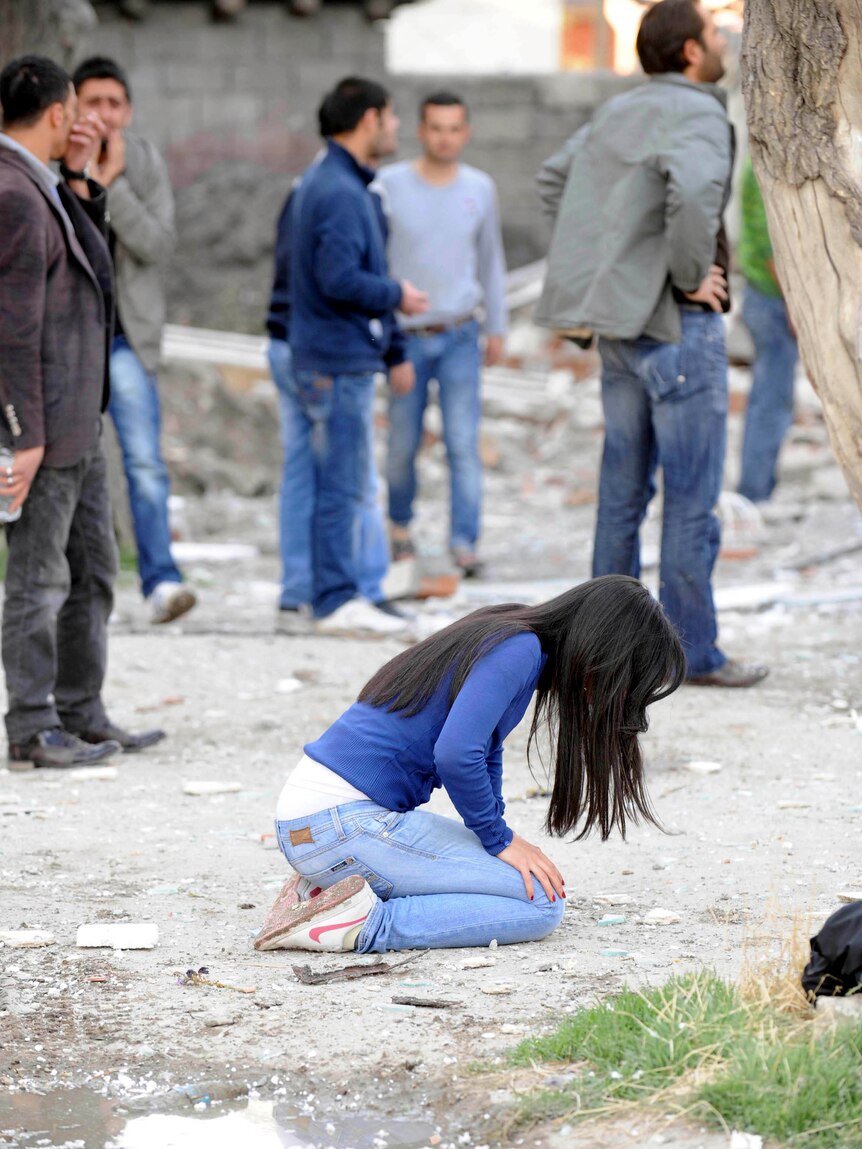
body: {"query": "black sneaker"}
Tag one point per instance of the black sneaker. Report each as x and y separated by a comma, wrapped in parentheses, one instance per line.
(58, 749)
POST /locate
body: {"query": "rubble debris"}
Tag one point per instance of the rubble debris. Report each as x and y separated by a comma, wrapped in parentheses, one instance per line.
(26, 939)
(307, 976)
(425, 1002)
(200, 789)
(199, 977)
(611, 920)
(849, 895)
(287, 685)
(745, 1140)
(661, 917)
(216, 1020)
(614, 953)
(830, 1012)
(118, 936)
(613, 899)
(498, 989)
(478, 962)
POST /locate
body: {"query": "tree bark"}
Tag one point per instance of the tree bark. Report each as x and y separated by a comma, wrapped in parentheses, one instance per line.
(48, 27)
(802, 81)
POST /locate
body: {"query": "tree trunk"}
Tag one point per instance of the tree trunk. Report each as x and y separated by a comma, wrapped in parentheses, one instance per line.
(49, 27)
(802, 82)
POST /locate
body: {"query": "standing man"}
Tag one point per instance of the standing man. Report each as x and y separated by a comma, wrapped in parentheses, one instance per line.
(769, 415)
(55, 326)
(444, 232)
(639, 257)
(141, 214)
(341, 323)
(297, 489)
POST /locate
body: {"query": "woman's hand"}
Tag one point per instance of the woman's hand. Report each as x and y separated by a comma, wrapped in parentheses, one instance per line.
(529, 860)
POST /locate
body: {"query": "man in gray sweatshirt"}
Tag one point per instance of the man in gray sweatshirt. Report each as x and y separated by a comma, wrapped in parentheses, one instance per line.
(444, 234)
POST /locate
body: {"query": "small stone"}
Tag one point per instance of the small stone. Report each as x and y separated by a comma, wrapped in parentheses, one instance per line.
(661, 917)
(287, 685)
(612, 953)
(613, 899)
(703, 767)
(92, 774)
(850, 896)
(833, 1011)
(745, 1140)
(478, 962)
(200, 789)
(26, 939)
(215, 1020)
(498, 989)
(611, 920)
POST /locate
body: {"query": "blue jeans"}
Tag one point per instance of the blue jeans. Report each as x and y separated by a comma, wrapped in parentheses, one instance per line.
(134, 408)
(665, 405)
(770, 403)
(338, 411)
(454, 359)
(437, 886)
(296, 502)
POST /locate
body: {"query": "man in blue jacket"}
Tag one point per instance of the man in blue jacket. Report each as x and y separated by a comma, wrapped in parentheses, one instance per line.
(340, 332)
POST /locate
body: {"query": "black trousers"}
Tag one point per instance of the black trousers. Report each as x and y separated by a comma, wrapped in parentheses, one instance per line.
(60, 574)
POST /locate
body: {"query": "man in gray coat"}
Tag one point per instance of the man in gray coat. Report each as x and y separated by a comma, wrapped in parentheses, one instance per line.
(141, 212)
(639, 258)
(56, 306)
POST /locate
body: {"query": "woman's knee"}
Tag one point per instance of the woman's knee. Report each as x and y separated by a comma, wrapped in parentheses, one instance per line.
(545, 918)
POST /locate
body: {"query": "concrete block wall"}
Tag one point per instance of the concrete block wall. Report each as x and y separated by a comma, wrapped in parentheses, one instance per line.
(233, 108)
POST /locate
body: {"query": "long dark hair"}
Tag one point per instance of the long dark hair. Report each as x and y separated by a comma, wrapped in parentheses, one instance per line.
(611, 652)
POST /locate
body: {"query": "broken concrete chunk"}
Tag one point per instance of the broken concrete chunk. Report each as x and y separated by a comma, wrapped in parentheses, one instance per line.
(26, 939)
(216, 1019)
(498, 989)
(118, 936)
(661, 917)
(199, 789)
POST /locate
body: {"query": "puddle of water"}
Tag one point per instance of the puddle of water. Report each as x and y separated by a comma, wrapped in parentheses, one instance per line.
(80, 1119)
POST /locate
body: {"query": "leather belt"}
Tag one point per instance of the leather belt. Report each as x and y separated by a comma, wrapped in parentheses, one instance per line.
(440, 328)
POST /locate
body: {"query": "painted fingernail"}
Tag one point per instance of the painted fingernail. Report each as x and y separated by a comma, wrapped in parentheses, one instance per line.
(563, 894)
(531, 897)
(553, 897)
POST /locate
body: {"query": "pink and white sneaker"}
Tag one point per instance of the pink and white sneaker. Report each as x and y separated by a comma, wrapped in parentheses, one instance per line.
(329, 921)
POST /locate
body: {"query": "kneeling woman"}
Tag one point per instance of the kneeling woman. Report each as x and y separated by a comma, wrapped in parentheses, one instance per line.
(373, 872)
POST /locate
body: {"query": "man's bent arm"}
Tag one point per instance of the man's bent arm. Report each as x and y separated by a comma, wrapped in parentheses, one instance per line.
(554, 172)
(696, 165)
(23, 275)
(144, 222)
(492, 267)
(337, 263)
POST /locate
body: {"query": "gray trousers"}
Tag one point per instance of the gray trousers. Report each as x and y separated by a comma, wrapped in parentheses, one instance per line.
(60, 574)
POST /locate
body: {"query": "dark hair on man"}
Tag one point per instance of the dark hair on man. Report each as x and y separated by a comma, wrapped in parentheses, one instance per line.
(443, 99)
(101, 68)
(29, 85)
(324, 124)
(611, 652)
(664, 30)
(348, 102)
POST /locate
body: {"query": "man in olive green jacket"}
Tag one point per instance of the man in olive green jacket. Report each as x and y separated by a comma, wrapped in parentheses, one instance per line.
(639, 258)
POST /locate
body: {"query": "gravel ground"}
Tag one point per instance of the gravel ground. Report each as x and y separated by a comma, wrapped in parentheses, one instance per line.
(91, 1040)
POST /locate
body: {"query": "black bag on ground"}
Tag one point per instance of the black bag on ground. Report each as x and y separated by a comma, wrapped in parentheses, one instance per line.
(835, 968)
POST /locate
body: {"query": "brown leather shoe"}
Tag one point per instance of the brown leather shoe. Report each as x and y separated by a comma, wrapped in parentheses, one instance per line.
(731, 673)
(58, 749)
(128, 742)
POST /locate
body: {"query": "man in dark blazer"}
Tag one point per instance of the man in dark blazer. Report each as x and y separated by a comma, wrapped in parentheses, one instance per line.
(56, 311)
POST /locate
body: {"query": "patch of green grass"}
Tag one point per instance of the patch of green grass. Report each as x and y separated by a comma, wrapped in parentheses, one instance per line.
(698, 1041)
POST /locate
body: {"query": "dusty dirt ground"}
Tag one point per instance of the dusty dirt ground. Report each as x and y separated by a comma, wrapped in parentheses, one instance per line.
(94, 1042)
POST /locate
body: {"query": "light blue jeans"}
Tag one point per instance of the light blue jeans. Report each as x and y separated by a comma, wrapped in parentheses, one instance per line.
(297, 494)
(437, 886)
(134, 408)
(665, 404)
(770, 403)
(454, 359)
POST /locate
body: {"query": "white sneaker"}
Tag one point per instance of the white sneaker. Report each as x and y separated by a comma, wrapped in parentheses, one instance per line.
(328, 922)
(359, 617)
(170, 600)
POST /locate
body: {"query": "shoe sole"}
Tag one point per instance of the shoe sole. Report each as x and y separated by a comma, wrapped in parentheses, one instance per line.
(181, 604)
(297, 915)
(145, 742)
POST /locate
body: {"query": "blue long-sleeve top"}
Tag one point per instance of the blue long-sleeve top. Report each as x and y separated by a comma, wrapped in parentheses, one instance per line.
(341, 295)
(399, 760)
(278, 317)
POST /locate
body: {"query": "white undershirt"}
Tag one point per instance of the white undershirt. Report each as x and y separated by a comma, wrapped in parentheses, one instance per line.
(312, 787)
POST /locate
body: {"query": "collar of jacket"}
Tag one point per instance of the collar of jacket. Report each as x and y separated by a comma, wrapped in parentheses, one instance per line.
(345, 160)
(676, 78)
